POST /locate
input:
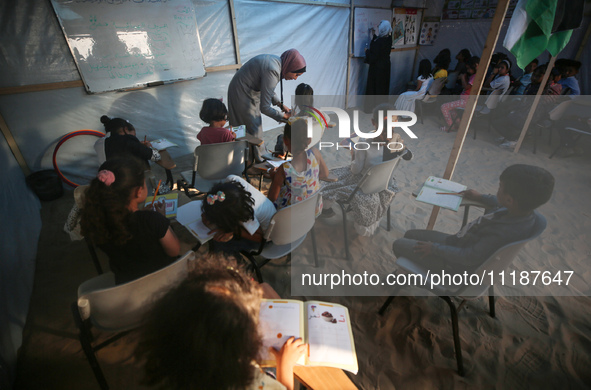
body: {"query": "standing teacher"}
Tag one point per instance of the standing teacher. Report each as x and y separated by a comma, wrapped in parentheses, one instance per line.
(378, 58)
(252, 91)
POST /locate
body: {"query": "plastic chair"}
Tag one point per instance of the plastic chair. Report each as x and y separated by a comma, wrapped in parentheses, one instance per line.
(431, 95)
(376, 179)
(287, 230)
(497, 262)
(120, 308)
(214, 162)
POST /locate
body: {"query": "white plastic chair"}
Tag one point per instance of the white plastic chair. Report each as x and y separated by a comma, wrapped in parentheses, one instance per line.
(214, 162)
(287, 230)
(376, 179)
(431, 95)
(497, 262)
(120, 308)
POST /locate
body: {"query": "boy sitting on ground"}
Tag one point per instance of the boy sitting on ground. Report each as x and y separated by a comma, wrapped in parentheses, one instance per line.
(509, 217)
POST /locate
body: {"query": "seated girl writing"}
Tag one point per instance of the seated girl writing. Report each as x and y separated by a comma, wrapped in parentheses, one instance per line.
(299, 178)
(204, 334)
(238, 214)
(138, 242)
(215, 113)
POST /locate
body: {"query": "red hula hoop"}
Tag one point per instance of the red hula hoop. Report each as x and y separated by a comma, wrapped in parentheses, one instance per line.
(61, 142)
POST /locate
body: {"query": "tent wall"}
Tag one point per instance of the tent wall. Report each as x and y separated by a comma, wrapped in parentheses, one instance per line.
(19, 233)
(473, 34)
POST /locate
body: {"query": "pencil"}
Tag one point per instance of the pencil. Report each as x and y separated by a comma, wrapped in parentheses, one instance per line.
(145, 138)
(448, 193)
(156, 192)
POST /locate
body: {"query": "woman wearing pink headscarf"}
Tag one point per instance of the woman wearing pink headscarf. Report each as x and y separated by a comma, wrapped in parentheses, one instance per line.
(252, 91)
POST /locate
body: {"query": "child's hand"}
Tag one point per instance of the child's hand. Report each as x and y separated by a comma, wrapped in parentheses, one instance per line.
(471, 194)
(221, 236)
(159, 207)
(423, 248)
(289, 354)
(147, 143)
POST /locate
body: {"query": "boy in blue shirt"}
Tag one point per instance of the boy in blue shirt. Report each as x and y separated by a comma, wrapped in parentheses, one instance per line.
(509, 217)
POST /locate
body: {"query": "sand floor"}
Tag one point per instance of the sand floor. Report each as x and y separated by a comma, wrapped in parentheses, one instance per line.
(533, 343)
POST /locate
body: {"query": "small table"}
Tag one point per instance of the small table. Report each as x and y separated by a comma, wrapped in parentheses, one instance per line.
(320, 378)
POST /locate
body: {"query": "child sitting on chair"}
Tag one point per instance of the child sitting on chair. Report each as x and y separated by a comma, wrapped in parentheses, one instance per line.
(368, 209)
(204, 334)
(238, 214)
(509, 218)
(121, 140)
(299, 178)
(138, 242)
(214, 113)
(467, 79)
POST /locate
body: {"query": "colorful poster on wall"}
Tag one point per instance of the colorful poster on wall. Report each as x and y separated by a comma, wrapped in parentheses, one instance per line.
(398, 28)
(473, 9)
(405, 27)
(429, 31)
(410, 27)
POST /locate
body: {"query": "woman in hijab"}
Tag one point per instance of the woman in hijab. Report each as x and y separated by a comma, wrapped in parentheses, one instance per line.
(378, 58)
(252, 91)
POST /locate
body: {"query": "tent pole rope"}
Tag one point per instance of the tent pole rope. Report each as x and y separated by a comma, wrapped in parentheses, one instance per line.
(489, 47)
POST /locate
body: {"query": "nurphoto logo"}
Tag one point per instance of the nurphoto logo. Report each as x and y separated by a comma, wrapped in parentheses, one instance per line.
(345, 134)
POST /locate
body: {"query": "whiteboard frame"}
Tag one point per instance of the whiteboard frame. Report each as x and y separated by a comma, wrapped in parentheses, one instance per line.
(136, 85)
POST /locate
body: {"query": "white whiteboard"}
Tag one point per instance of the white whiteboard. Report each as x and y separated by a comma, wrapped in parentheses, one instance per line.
(122, 44)
(366, 18)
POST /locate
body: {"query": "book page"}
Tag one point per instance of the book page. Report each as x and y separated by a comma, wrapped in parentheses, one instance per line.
(171, 201)
(189, 215)
(330, 336)
(429, 195)
(161, 144)
(278, 321)
(433, 185)
(444, 185)
(240, 131)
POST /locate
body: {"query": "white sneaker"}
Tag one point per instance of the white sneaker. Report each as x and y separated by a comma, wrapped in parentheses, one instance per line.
(508, 144)
(501, 140)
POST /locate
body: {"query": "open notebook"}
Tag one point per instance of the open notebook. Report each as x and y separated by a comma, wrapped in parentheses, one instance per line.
(189, 215)
(442, 193)
(325, 326)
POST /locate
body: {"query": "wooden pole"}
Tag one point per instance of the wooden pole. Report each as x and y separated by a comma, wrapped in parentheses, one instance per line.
(489, 47)
(534, 106)
(583, 43)
(235, 32)
(349, 55)
(14, 147)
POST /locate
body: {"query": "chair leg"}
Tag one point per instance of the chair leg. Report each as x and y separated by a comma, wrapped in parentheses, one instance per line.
(388, 219)
(491, 301)
(95, 259)
(314, 247)
(85, 338)
(169, 179)
(345, 231)
(257, 269)
(420, 104)
(456, 334)
(385, 305)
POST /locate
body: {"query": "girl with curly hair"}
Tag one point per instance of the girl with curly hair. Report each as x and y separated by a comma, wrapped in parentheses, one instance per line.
(137, 242)
(238, 214)
(204, 334)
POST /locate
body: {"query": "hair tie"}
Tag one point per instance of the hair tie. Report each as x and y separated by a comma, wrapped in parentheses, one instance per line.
(211, 198)
(507, 63)
(106, 176)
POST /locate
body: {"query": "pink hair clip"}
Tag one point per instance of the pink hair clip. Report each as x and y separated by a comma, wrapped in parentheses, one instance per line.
(211, 198)
(106, 176)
